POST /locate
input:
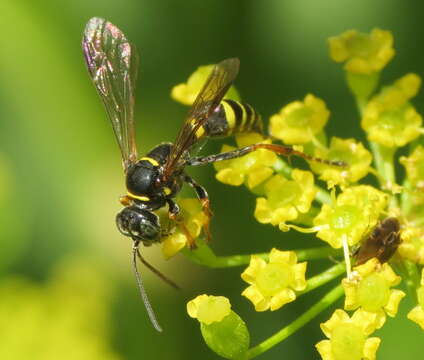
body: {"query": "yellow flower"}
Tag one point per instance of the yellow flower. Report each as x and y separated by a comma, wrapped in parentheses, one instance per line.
(348, 337)
(193, 219)
(417, 313)
(272, 284)
(356, 210)
(349, 151)
(298, 121)
(389, 119)
(208, 308)
(412, 245)
(186, 93)
(285, 199)
(252, 169)
(371, 290)
(402, 90)
(362, 53)
(414, 165)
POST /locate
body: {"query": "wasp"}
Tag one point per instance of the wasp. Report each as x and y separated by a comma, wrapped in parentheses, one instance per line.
(153, 180)
(381, 243)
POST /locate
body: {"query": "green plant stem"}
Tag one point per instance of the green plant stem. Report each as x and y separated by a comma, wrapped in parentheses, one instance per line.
(330, 298)
(405, 198)
(204, 255)
(282, 168)
(361, 103)
(322, 196)
(412, 279)
(323, 278)
(383, 158)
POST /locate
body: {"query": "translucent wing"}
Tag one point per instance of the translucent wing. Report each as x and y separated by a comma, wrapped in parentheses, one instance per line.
(112, 63)
(217, 84)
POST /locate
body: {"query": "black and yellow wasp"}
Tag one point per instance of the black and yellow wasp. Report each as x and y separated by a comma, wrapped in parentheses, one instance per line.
(154, 180)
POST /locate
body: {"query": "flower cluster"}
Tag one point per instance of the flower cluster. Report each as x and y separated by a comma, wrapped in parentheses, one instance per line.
(337, 203)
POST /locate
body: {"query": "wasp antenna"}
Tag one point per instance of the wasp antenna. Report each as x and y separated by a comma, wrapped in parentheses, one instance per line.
(156, 271)
(143, 293)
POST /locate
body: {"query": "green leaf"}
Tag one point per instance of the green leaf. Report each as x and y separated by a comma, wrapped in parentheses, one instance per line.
(228, 338)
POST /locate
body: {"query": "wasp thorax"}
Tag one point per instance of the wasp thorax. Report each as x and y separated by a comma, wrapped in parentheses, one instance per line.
(139, 224)
(141, 178)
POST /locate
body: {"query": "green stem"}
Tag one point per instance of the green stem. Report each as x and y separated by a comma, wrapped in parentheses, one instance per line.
(330, 298)
(383, 158)
(412, 279)
(283, 168)
(322, 196)
(204, 255)
(405, 198)
(361, 103)
(323, 278)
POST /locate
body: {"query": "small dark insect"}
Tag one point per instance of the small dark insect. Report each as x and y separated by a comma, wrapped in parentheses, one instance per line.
(153, 180)
(382, 243)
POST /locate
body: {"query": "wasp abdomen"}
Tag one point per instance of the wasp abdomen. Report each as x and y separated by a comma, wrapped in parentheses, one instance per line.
(232, 117)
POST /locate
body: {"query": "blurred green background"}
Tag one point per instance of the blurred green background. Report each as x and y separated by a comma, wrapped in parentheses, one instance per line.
(66, 285)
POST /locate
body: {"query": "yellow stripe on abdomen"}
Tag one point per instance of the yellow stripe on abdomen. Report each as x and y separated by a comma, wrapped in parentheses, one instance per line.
(230, 115)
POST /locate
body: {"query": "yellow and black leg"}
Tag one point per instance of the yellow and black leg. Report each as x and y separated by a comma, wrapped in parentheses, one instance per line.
(278, 149)
(173, 213)
(203, 197)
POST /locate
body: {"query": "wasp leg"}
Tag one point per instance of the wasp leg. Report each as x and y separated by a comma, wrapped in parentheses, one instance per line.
(125, 200)
(203, 196)
(174, 211)
(278, 149)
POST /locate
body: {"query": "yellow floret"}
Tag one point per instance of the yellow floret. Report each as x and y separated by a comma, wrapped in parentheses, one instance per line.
(273, 284)
(362, 53)
(209, 309)
(348, 337)
(389, 119)
(193, 218)
(352, 153)
(355, 211)
(299, 121)
(286, 199)
(252, 169)
(371, 290)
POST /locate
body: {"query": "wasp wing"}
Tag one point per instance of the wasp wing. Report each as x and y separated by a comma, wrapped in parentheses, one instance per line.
(217, 84)
(112, 62)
